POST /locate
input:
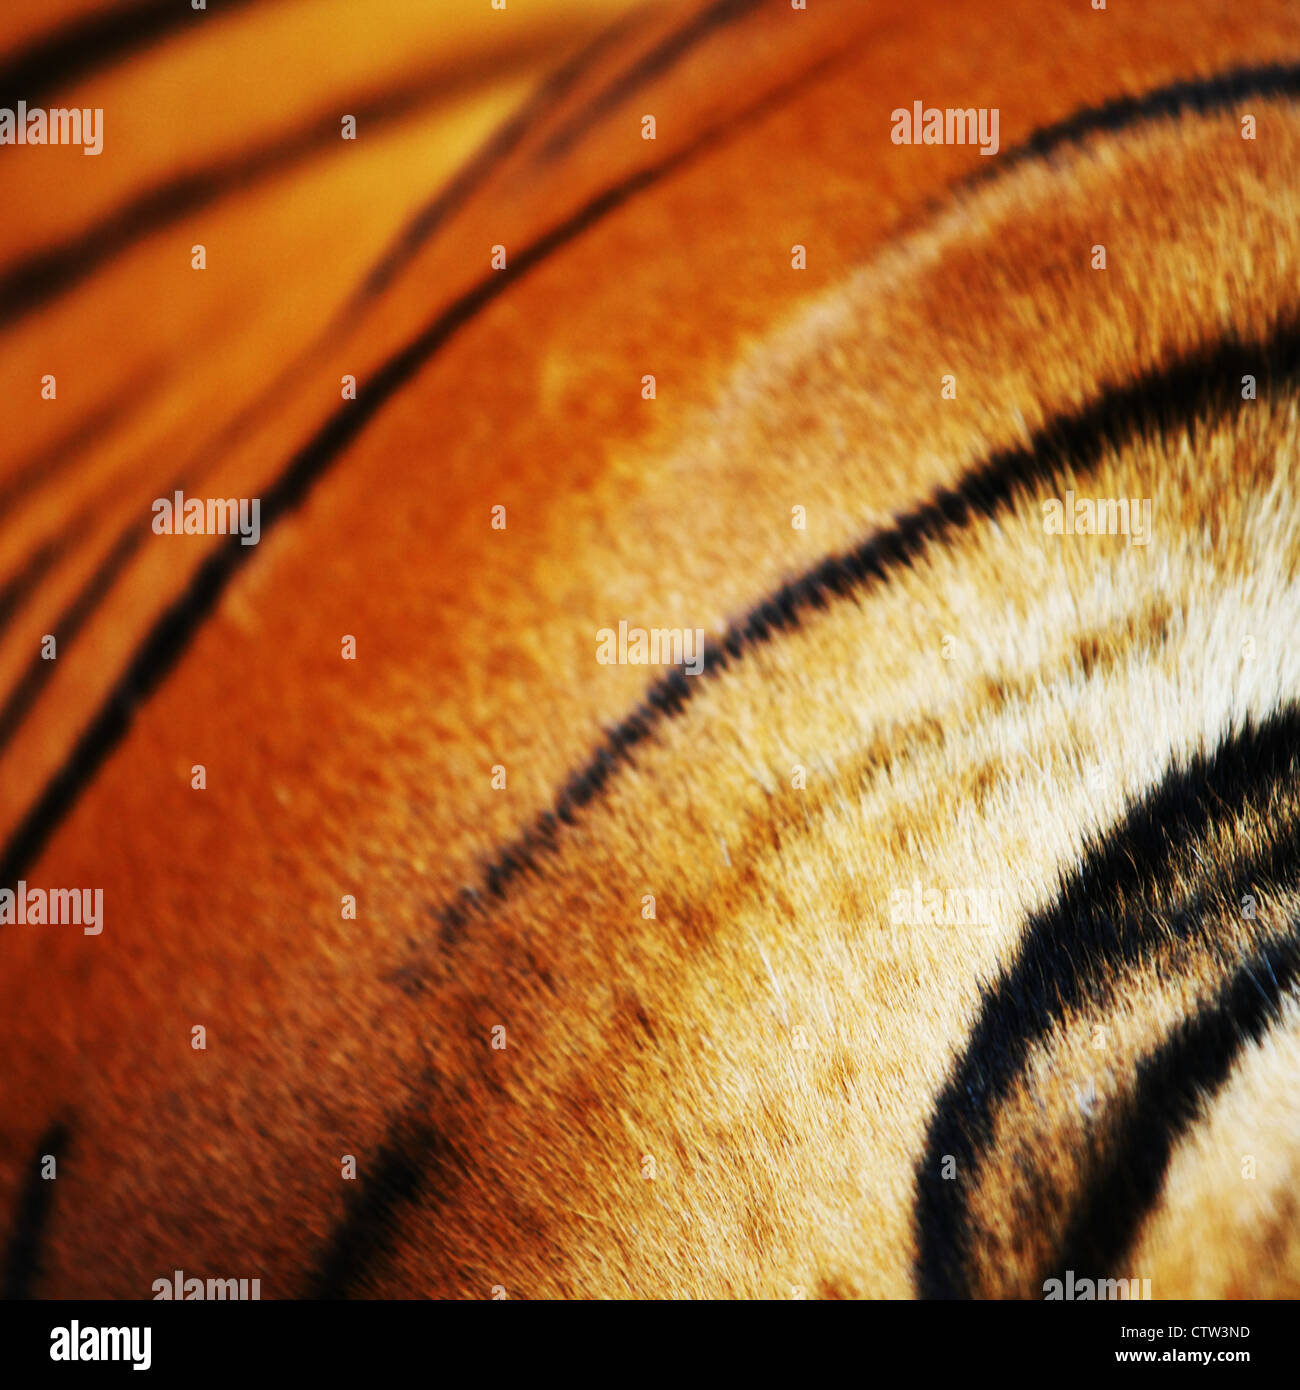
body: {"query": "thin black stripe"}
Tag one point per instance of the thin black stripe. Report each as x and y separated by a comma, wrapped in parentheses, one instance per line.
(54, 459)
(41, 275)
(22, 698)
(496, 148)
(44, 555)
(1173, 1086)
(662, 58)
(1172, 395)
(43, 469)
(16, 590)
(1194, 96)
(91, 42)
(1102, 922)
(22, 1266)
(53, 269)
(171, 634)
(1197, 96)
(1166, 397)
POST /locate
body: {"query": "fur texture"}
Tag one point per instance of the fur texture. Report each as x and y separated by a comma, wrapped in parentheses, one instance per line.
(755, 1092)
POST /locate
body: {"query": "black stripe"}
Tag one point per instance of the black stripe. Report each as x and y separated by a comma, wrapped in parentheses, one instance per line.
(22, 698)
(665, 55)
(369, 1225)
(498, 146)
(170, 636)
(52, 461)
(53, 269)
(43, 469)
(411, 1154)
(1104, 920)
(22, 1267)
(16, 590)
(89, 42)
(41, 275)
(1167, 397)
(1196, 96)
(38, 673)
(19, 588)
(1172, 1089)
(666, 697)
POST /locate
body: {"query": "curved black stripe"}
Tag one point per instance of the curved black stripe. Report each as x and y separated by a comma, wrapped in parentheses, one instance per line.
(1172, 397)
(1104, 920)
(22, 698)
(92, 41)
(1172, 1088)
(22, 1264)
(170, 636)
(54, 269)
(43, 469)
(1168, 396)
(1199, 96)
